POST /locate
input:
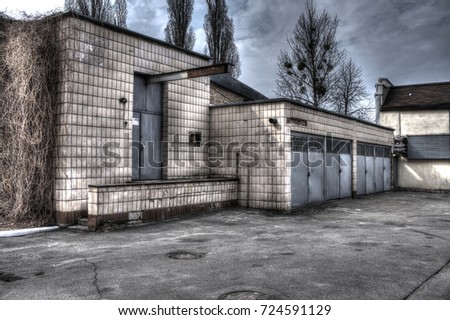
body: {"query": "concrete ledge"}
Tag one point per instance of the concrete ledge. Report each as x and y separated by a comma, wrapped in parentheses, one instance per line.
(158, 200)
(162, 182)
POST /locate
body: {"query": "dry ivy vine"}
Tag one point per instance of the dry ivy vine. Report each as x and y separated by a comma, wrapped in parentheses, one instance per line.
(29, 67)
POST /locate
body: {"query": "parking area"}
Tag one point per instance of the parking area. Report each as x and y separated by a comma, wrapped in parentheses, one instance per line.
(394, 245)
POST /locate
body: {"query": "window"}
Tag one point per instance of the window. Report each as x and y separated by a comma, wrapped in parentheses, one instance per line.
(429, 147)
(195, 139)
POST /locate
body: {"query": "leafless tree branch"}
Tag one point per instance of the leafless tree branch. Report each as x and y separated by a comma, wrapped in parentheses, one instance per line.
(219, 29)
(178, 30)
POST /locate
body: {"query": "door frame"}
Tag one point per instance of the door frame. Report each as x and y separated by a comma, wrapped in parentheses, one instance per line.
(140, 146)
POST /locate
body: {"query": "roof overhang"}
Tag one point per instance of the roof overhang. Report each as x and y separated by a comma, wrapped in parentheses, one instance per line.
(441, 106)
(191, 73)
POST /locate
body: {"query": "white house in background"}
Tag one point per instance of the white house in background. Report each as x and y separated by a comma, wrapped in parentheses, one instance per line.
(420, 115)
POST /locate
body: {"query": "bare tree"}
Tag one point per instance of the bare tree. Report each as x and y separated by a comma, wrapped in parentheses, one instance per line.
(121, 13)
(307, 73)
(177, 30)
(219, 29)
(365, 110)
(350, 94)
(102, 10)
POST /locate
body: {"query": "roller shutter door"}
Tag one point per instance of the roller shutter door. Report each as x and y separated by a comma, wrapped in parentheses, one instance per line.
(429, 147)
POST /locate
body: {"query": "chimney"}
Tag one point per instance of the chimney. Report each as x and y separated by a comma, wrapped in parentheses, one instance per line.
(382, 88)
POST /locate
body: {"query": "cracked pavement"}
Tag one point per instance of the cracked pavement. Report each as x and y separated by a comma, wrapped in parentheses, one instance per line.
(385, 246)
(95, 282)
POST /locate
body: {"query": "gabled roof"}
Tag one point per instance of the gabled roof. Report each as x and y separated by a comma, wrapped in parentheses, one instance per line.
(228, 82)
(418, 96)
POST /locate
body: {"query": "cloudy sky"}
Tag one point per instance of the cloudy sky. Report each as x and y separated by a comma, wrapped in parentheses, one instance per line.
(407, 41)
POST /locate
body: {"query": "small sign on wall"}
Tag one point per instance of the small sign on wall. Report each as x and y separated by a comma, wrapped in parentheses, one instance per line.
(401, 146)
(135, 121)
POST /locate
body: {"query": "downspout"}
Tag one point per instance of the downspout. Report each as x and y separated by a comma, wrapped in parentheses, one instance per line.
(26, 232)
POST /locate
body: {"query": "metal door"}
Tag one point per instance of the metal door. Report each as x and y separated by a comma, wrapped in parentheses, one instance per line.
(370, 169)
(151, 140)
(387, 169)
(332, 176)
(361, 169)
(316, 164)
(339, 168)
(332, 169)
(345, 178)
(379, 171)
(136, 145)
(147, 130)
(299, 179)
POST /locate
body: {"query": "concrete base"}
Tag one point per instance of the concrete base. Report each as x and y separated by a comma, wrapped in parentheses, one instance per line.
(159, 214)
(64, 219)
(385, 246)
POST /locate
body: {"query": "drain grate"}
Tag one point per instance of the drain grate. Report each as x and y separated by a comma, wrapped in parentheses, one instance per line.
(185, 255)
(247, 295)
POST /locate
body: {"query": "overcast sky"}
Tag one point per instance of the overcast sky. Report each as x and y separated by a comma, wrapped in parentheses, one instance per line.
(403, 40)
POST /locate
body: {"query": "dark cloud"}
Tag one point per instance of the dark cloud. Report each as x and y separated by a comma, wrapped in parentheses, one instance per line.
(406, 41)
(148, 17)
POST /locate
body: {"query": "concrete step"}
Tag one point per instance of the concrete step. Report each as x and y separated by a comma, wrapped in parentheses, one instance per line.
(83, 222)
(78, 228)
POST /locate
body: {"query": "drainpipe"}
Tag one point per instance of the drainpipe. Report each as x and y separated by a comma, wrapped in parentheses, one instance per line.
(237, 165)
(26, 232)
(248, 186)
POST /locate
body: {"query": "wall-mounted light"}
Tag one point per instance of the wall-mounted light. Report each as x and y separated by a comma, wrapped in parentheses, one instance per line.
(273, 120)
(123, 100)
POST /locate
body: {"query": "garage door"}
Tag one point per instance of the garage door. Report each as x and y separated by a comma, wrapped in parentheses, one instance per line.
(338, 169)
(321, 169)
(374, 168)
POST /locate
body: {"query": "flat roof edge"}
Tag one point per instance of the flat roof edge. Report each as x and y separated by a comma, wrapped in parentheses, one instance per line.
(300, 104)
(69, 13)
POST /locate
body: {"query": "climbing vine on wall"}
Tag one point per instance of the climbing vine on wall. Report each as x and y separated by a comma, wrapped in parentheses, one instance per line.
(29, 68)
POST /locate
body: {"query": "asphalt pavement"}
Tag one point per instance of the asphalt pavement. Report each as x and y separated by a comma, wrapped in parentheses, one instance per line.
(385, 246)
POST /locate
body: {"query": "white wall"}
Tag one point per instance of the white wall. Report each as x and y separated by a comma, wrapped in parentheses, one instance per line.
(421, 174)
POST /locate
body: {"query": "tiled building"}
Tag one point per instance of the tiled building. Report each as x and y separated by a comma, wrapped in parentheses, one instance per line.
(142, 135)
(120, 122)
(420, 115)
(287, 155)
(225, 89)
